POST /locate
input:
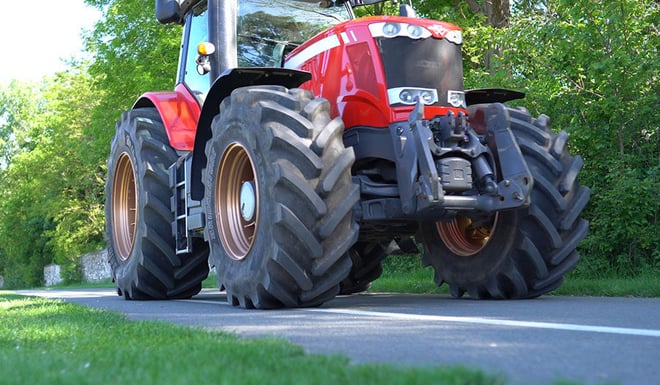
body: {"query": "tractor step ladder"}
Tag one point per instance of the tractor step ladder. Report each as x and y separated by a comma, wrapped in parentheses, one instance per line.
(188, 213)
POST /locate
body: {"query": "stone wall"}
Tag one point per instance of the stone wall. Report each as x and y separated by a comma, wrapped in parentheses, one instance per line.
(52, 275)
(95, 267)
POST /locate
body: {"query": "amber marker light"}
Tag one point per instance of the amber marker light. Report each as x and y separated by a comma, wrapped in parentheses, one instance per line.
(205, 48)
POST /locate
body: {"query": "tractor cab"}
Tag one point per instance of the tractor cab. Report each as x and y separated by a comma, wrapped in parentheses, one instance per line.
(357, 65)
(254, 33)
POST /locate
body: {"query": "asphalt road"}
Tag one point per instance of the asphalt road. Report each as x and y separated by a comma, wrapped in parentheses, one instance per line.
(584, 339)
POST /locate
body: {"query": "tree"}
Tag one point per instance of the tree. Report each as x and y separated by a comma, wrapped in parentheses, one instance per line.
(76, 177)
(18, 102)
(497, 12)
(50, 195)
(593, 67)
(133, 54)
(54, 140)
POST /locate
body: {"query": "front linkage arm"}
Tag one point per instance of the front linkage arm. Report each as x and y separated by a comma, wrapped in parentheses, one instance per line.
(429, 158)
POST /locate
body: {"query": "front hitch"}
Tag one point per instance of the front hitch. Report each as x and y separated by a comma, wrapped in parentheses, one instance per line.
(419, 157)
(516, 181)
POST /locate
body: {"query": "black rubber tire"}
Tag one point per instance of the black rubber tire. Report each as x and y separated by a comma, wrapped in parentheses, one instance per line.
(143, 258)
(530, 249)
(296, 253)
(367, 258)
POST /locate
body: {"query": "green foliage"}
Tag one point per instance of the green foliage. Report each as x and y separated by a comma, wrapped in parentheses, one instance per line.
(50, 205)
(404, 273)
(77, 210)
(133, 54)
(20, 228)
(642, 285)
(17, 103)
(55, 137)
(593, 67)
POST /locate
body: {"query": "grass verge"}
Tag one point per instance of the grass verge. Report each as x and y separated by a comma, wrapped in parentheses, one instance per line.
(645, 285)
(53, 342)
(404, 273)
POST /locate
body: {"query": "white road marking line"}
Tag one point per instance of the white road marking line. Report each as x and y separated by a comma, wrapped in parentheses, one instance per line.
(219, 302)
(495, 322)
(66, 294)
(476, 320)
(402, 316)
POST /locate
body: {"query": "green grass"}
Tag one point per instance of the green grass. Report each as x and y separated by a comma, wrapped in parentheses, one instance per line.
(645, 285)
(82, 285)
(211, 282)
(405, 280)
(404, 273)
(53, 342)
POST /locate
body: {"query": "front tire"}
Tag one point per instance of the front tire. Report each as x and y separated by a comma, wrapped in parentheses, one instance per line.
(521, 253)
(138, 216)
(279, 199)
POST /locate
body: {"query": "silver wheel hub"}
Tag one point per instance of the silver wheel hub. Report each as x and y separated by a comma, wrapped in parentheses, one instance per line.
(248, 200)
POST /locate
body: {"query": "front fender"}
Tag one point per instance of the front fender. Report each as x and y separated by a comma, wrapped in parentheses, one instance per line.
(180, 112)
(223, 87)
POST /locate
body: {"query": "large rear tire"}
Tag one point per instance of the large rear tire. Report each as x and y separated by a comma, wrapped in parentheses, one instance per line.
(520, 253)
(138, 216)
(279, 199)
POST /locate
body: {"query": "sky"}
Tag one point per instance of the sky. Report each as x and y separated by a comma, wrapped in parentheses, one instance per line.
(36, 35)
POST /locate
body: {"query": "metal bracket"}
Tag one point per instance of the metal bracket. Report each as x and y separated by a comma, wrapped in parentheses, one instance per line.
(517, 181)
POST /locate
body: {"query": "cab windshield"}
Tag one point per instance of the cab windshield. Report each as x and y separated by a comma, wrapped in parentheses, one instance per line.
(269, 29)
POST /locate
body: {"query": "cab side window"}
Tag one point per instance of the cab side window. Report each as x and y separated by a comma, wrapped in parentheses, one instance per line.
(198, 33)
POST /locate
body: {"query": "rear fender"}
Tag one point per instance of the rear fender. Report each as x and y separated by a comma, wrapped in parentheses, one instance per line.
(180, 112)
(223, 87)
(491, 95)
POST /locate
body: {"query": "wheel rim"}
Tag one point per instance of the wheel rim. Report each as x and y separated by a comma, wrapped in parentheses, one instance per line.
(465, 238)
(124, 207)
(237, 201)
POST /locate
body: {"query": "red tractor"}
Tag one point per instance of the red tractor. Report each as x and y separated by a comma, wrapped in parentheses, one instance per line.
(300, 141)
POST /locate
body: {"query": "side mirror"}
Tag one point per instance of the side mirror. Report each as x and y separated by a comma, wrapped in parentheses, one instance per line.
(167, 11)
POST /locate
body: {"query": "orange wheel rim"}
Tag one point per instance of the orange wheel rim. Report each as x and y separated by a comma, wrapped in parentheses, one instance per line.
(465, 238)
(236, 201)
(124, 207)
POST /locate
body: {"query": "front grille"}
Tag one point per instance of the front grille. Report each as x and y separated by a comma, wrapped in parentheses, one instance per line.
(424, 63)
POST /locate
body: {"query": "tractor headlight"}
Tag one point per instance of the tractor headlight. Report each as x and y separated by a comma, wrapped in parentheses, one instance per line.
(415, 31)
(428, 97)
(409, 95)
(455, 37)
(391, 29)
(406, 96)
(456, 98)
